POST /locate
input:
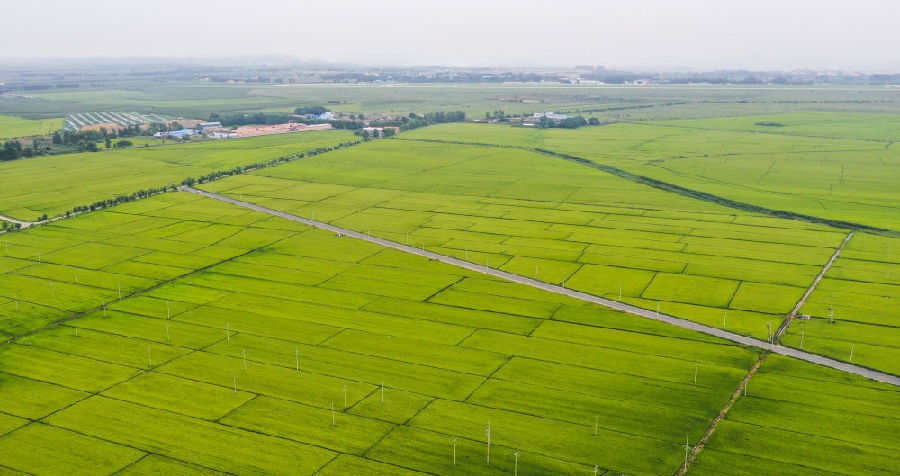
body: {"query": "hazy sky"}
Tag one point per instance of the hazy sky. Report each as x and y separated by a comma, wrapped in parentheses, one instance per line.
(702, 34)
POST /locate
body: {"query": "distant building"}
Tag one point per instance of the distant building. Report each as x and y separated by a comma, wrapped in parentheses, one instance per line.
(181, 133)
(550, 115)
(223, 134)
(175, 134)
(208, 125)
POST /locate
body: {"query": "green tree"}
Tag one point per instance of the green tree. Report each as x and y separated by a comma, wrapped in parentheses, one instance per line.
(12, 150)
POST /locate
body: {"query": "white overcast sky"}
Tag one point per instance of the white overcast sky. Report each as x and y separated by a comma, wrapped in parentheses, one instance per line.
(697, 34)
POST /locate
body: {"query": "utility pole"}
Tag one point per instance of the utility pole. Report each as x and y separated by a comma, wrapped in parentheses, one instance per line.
(489, 442)
(454, 450)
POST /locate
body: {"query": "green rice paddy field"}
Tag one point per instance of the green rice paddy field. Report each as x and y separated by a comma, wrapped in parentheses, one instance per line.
(565, 223)
(11, 126)
(183, 335)
(54, 184)
(829, 165)
(246, 343)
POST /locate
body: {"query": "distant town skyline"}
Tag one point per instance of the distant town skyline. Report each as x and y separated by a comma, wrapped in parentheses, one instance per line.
(688, 34)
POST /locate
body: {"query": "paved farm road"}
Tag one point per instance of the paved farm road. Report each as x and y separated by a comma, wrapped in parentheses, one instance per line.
(777, 349)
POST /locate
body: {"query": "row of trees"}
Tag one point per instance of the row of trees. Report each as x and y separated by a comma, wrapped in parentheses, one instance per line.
(241, 119)
(375, 134)
(13, 149)
(88, 140)
(119, 199)
(567, 123)
(414, 121)
(8, 226)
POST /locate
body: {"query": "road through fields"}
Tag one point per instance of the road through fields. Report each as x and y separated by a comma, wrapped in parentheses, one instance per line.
(634, 310)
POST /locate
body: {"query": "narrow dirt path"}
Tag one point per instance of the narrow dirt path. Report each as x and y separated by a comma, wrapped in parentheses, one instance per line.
(790, 317)
(695, 451)
(634, 310)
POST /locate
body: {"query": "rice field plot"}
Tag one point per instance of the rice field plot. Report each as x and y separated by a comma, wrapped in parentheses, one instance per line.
(314, 353)
(11, 127)
(800, 419)
(564, 223)
(62, 269)
(831, 165)
(55, 184)
(231, 356)
(853, 313)
(44, 449)
(853, 186)
(843, 125)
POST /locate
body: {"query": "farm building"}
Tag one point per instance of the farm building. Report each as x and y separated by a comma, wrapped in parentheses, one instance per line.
(550, 115)
(222, 134)
(176, 134)
(249, 131)
(208, 125)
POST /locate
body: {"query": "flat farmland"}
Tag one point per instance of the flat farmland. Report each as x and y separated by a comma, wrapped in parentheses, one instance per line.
(237, 367)
(179, 334)
(564, 223)
(828, 165)
(11, 126)
(66, 268)
(797, 417)
(303, 352)
(610, 102)
(54, 184)
(845, 125)
(831, 165)
(853, 312)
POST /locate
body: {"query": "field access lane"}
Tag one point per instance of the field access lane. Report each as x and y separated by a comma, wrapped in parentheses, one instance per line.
(634, 310)
(23, 224)
(787, 321)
